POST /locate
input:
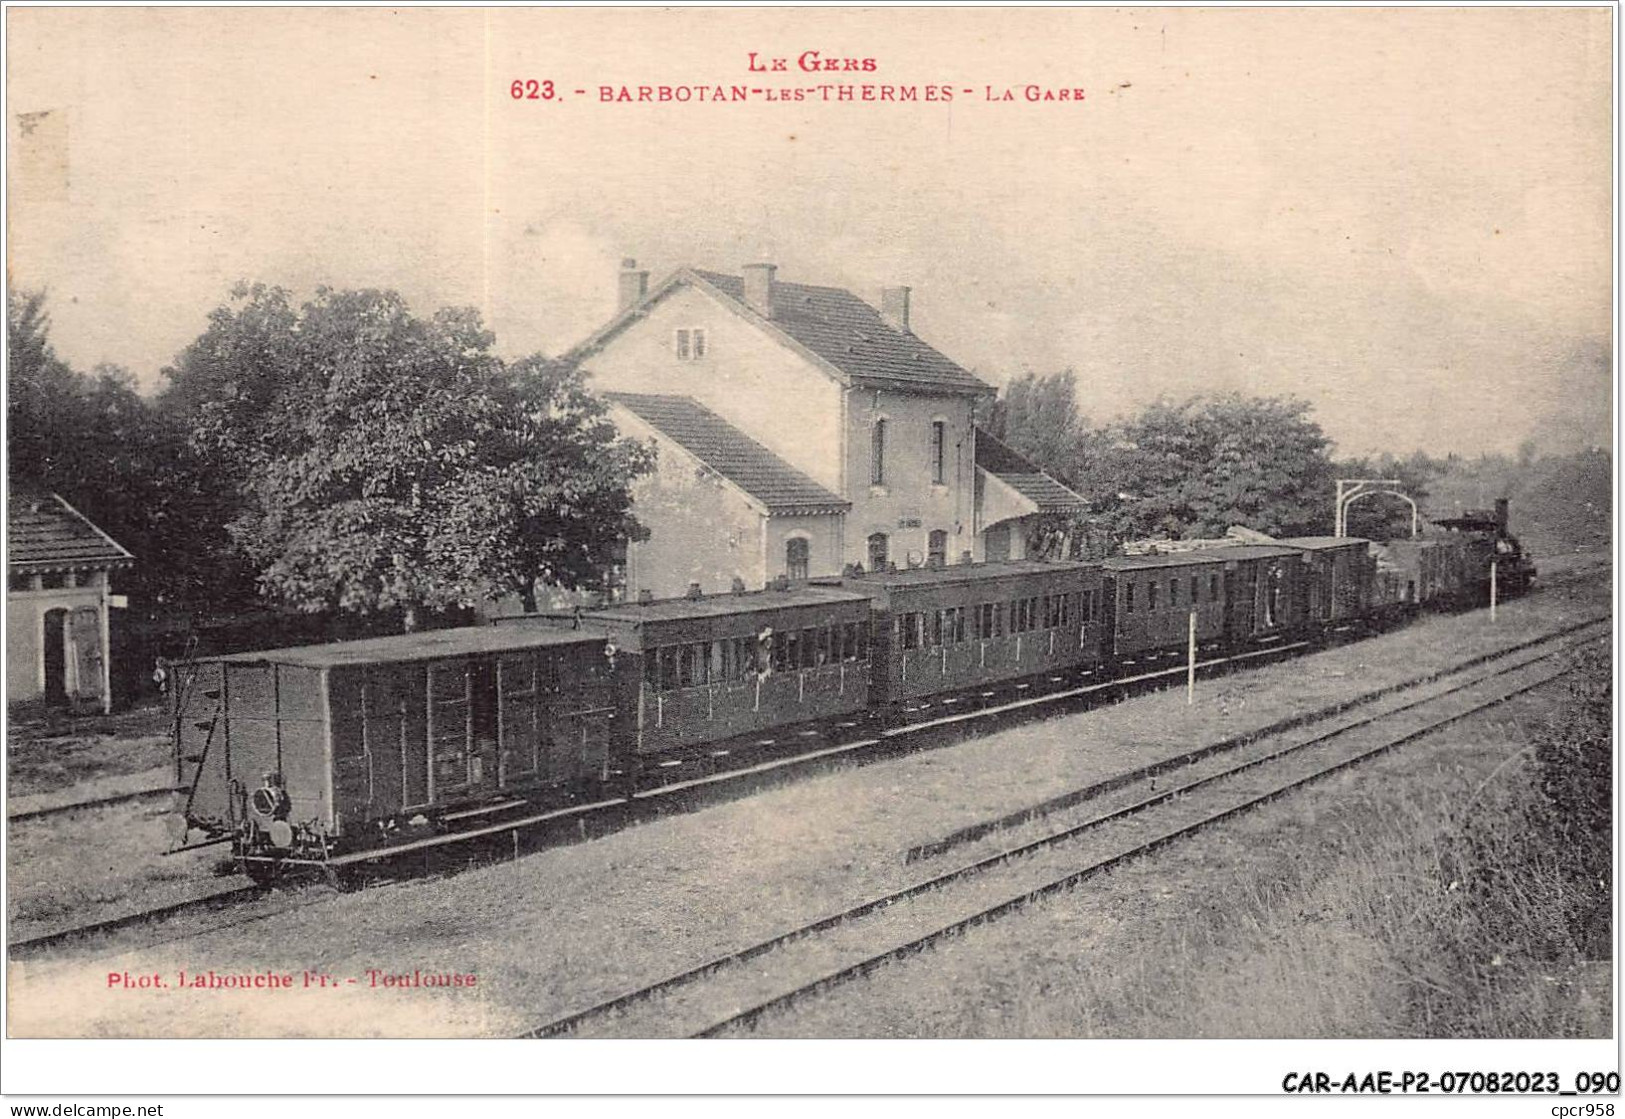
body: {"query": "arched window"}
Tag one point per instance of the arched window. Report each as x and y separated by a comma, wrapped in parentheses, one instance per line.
(936, 554)
(877, 551)
(877, 455)
(796, 556)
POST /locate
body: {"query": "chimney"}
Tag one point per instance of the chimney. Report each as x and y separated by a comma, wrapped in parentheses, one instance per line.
(694, 591)
(759, 288)
(634, 284)
(894, 306)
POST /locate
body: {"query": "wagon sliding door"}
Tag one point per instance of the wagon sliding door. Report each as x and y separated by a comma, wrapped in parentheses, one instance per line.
(451, 769)
(519, 706)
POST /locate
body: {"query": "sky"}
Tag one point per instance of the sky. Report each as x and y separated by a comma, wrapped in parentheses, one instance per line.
(1401, 215)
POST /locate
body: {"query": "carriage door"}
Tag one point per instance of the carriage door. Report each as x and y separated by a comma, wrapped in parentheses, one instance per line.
(451, 731)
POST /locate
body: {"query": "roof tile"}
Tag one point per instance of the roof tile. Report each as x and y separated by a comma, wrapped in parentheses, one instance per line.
(730, 452)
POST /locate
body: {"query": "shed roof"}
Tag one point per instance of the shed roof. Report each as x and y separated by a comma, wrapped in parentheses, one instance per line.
(45, 533)
(435, 644)
(1028, 480)
(731, 453)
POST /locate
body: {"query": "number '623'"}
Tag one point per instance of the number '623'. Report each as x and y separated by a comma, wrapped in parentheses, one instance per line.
(529, 89)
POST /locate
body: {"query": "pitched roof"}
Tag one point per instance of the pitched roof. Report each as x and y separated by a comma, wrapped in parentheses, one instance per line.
(45, 533)
(1026, 479)
(731, 453)
(844, 334)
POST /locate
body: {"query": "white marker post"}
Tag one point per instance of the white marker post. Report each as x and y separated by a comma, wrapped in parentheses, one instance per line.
(1190, 664)
(1493, 589)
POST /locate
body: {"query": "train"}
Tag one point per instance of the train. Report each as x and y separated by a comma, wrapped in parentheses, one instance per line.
(332, 754)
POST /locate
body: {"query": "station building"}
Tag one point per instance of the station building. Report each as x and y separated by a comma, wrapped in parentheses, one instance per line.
(801, 430)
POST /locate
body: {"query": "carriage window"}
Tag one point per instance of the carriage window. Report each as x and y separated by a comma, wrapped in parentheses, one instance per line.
(809, 648)
(1173, 593)
(829, 640)
(959, 623)
(651, 668)
(863, 641)
(1084, 604)
(1128, 598)
(796, 557)
(1195, 589)
(937, 549)
(877, 552)
(781, 652)
(668, 667)
(1213, 587)
(936, 627)
(1151, 594)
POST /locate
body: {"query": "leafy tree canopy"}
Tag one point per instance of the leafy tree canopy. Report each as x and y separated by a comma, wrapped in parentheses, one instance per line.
(390, 462)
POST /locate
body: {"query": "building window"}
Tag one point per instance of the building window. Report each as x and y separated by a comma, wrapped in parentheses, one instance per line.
(691, 345)
(939, 445)
(796, 553)
(936, 554)
(877, 552)
(877, 454)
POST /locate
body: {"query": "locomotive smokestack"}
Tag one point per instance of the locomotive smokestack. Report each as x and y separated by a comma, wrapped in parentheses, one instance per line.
(1501, 513)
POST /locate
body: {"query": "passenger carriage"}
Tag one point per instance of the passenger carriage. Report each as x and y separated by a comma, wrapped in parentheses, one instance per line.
(1151, 598)
(944, 629)
(1341, 575)
(711, 668)
(1240, 594)
(296, 753)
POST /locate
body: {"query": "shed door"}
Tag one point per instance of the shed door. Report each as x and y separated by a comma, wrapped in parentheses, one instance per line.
(85, 648)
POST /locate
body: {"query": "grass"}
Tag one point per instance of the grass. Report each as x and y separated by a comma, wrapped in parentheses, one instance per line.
(49, 752)
(1456, 889)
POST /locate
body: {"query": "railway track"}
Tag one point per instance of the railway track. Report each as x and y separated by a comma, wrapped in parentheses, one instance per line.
(732, 992)
(608, 815)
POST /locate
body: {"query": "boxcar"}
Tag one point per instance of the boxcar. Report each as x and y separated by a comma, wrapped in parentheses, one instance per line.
(943, 629)
(716, 667)
(1268, 590)
(1432, 572)
(297, 753)
(1151, 598)
(1340, 577)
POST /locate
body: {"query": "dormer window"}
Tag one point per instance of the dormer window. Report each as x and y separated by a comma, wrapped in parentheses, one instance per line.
(691, 343)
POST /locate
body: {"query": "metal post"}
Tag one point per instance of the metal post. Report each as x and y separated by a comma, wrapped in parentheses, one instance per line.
(1493, 590)
(1190, 664)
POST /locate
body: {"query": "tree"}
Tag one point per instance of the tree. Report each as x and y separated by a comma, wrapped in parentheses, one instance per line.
(392, 463)
(1038, 417)
(1195, 468)
(95, 441)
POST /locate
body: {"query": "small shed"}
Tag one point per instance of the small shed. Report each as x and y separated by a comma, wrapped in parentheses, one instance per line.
(58, 603)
